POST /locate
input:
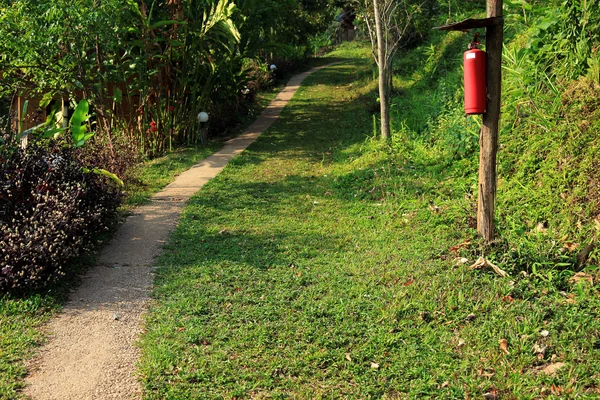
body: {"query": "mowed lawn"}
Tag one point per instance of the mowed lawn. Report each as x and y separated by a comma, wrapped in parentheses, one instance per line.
(318, 265)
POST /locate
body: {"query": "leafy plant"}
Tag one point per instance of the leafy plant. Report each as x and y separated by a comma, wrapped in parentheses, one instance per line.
(49, 211)
(79, 124)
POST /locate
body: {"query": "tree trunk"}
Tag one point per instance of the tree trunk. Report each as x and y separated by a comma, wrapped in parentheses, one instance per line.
(384, 74)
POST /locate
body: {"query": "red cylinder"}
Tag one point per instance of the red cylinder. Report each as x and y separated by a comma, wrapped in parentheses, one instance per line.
(475, 81)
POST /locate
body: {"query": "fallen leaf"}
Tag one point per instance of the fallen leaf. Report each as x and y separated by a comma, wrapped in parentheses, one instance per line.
(408, 283)
(460, 261)
(493, 395)
(552, 369)
(581, 276)
(544, 333)
(482, 262)
(556, 390)
(471, 317)
(504, 346)
(486, 374)
(461, 343)
(539, 351)
(455, 249)
(508, 299)
(445, 384)
(434, 208)
(374, 365)
(571, 246)
(348, 357)
(541, 227)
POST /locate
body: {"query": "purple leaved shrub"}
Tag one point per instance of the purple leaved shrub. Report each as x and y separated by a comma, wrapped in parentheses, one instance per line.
(49, 211)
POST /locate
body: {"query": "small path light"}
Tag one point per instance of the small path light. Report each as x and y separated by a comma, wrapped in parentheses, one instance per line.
(203, 118)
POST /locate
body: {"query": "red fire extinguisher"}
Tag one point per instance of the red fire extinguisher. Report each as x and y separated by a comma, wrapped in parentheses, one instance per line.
(475, 79)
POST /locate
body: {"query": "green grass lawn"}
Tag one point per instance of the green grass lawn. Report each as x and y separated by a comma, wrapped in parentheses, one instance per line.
(320, 264)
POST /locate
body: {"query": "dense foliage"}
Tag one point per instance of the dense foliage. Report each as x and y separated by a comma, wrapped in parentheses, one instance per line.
(49, 210)
(149, 67)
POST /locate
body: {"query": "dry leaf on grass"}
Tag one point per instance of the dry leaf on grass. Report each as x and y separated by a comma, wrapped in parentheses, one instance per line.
(460, 261)
(541, 228)
(348, 357)
(455, 249)
(508, 299)
(504, 346)
(553, 368)
(433, 208)
(374, 365)
(581, 276)
(571, 246)
(539, 351)
(483, 263)
(493, 395)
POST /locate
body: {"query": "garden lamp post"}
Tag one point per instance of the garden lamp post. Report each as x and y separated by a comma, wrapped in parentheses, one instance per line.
(203, 118)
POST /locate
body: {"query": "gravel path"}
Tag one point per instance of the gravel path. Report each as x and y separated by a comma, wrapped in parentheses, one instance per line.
(91, 353)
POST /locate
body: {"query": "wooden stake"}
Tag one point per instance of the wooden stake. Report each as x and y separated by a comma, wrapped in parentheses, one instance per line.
(488, 139)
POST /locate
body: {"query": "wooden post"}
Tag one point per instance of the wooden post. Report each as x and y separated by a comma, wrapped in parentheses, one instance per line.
(488, 139)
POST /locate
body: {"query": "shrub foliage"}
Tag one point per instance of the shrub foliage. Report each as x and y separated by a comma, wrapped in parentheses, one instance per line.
(49, 210)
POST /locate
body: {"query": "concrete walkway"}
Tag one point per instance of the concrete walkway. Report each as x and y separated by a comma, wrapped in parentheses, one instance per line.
(91, 353)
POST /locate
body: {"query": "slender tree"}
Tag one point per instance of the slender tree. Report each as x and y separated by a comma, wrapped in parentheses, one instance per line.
(384, 69)
(388, 23)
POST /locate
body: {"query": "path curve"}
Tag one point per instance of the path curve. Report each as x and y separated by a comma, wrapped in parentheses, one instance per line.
(91, 352)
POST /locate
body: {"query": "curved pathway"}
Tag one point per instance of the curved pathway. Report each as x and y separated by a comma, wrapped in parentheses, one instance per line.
(91, 353)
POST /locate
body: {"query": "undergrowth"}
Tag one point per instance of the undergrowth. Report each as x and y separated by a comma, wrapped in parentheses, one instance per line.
(548, 204)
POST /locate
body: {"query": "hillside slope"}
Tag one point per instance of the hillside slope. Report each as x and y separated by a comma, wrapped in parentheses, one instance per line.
(548, 206)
